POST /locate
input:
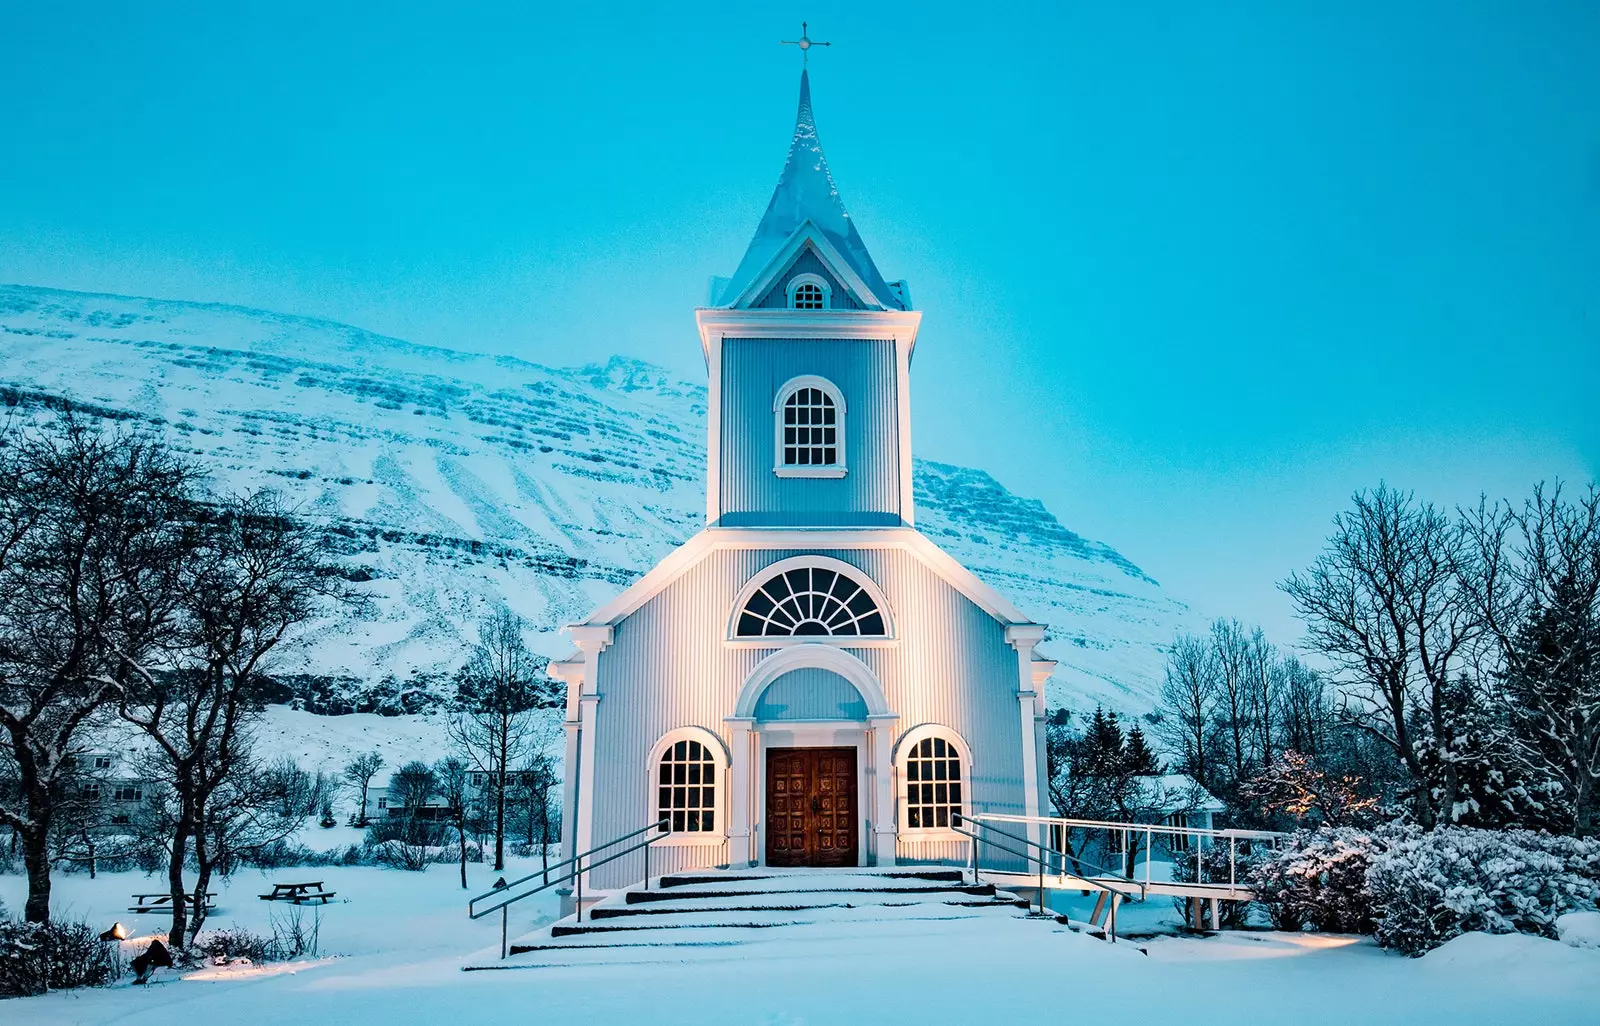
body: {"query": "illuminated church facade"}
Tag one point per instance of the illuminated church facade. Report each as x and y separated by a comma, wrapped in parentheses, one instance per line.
(808, 681)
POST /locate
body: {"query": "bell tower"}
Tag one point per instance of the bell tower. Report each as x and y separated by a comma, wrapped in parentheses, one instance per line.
(808, 350)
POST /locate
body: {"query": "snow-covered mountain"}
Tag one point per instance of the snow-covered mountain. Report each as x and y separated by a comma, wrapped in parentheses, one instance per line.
(458, 481)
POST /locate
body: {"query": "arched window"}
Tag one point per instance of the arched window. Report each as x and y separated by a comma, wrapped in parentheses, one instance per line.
(935, 770)
(809, 292)
(811, 601)
(686, 787)
(810, 428)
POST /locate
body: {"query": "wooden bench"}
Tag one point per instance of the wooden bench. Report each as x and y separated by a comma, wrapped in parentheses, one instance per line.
(161, 901)
(299, 893)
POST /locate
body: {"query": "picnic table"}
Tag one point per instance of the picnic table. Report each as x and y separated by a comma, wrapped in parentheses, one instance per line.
(161, 901)
(299, 893)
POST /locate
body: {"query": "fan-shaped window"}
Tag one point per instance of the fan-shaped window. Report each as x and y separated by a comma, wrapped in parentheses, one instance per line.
(810, 601)
(686, 788)
(933, 785)
(808, 296)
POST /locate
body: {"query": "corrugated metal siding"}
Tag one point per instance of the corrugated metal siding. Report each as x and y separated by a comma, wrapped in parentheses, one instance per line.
(864, 371)
(777, 297)
(811, 694)
(668, 667)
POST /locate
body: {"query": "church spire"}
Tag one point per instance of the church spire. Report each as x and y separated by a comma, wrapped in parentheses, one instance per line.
(806, 194)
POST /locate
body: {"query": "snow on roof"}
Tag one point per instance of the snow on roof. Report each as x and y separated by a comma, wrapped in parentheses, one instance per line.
(806, 192)
(1179, 792)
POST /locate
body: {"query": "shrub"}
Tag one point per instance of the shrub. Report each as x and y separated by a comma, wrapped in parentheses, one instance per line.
(1414, 890)
(222, 946)
(59, 955)
(1318, 881)
(1453, 880)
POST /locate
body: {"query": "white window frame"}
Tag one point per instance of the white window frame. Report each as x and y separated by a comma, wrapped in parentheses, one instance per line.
(807, 278)
(721, 762)
(839, 566)
(1179, 844)
(902, 755)
(835, 469)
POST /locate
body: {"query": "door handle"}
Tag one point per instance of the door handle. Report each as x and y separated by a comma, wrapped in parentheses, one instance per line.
(816, 804)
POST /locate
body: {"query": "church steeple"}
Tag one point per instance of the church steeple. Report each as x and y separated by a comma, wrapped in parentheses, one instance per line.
(806, 195)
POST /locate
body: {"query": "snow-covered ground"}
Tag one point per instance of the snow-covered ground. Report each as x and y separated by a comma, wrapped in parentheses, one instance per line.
(395, 947)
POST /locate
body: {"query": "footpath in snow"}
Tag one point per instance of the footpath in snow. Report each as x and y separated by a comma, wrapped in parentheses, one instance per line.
(393, 952)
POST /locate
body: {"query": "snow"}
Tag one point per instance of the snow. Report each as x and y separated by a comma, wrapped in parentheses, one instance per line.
(394, 946)
(1579, 929)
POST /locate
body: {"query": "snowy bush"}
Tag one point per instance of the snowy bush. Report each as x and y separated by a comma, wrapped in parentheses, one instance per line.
(1318, 881)
(1414, 890)
(59, 955)
(1433, 886)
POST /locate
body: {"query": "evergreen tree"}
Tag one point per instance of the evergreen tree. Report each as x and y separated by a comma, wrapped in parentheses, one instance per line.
(1138, 758)
(1105, 749)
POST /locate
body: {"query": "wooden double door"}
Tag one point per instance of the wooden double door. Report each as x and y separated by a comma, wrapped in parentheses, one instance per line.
(811, 807)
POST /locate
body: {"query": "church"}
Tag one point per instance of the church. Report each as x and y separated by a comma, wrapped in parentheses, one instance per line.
(808, 681)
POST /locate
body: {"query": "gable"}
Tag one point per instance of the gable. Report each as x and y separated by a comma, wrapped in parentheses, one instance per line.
(806, 262)
(771, 544)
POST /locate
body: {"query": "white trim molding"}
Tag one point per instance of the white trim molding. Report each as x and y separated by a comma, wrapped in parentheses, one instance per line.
(807, 234)
(722, 761)
(684, 558)
(808, 278)
(779, 400)
(902, 751)
(838, 566)
(809, 656)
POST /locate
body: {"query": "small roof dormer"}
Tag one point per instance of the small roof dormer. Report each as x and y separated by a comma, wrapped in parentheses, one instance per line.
(806, 211)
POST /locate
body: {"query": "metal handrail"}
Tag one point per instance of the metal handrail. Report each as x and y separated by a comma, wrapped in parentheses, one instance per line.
(1149, 830)
(1064, 856)
(1044, 863)
(576, 868)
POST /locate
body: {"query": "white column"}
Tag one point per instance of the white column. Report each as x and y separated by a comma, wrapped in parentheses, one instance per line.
(883, 797)
(591, 641)
(571, 673)
(740, 797)
(1023, 637)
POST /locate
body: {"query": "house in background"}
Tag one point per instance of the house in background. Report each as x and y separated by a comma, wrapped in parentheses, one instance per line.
(1171, 804)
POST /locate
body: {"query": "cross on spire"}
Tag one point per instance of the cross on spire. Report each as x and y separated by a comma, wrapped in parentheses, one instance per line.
(805, 43)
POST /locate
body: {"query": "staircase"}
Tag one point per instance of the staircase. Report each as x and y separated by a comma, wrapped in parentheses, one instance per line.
(683, 915)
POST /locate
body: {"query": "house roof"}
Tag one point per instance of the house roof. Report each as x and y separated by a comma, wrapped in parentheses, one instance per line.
(806, 196)
(1179, 792)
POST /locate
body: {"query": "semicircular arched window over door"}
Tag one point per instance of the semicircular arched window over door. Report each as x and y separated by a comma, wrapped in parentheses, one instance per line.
(810, 601)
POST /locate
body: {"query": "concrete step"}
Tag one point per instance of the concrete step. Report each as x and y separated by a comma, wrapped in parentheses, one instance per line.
(828, 886)
(769, 918)
(796, 900)
(784, 878)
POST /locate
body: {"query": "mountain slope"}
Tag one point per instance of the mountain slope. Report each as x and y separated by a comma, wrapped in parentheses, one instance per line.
(458, 480)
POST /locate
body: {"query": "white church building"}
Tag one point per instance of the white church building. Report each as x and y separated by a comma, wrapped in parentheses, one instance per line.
(808, 681)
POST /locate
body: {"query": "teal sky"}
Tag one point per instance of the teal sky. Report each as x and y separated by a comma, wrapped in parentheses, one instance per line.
(1190, 273)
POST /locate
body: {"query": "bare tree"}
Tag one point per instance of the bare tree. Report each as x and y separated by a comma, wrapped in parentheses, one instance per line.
(500, 688)
(1230, 648)
(1385, 602)
(1189, 695)
(358, 773)
(89, 524)
(254, 574)
(451, 786)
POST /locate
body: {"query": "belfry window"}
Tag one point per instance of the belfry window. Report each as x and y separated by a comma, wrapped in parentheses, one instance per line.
(686, 788)
(933, 785)
(810, 601)
(808, 296)
(810, 429)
